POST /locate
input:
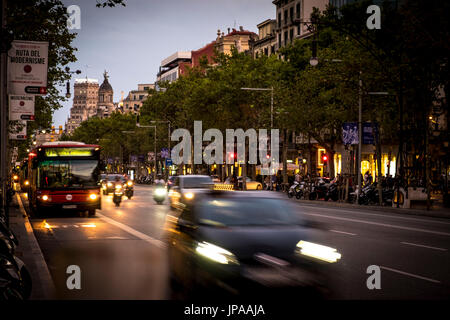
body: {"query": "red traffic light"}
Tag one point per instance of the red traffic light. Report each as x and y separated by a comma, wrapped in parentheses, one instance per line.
(324, 158)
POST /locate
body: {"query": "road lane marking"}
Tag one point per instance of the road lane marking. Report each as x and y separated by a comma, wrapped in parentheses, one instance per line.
(133, 232)
(423, 246)
(410, 274)
(380, 224)
(374, 214)
(343, 232)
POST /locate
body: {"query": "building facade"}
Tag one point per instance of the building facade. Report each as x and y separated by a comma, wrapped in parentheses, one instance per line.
(267, 40)
(173, 66)
(84, 102)
(105, 104)
(135, 98)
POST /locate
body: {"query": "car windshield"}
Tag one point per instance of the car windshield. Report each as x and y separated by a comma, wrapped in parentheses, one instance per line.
(67, 174)
(113, 177)
(197, 182)
(246, 212)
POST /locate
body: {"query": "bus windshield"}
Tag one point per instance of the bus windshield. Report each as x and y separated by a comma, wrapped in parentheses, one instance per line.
(54, 174)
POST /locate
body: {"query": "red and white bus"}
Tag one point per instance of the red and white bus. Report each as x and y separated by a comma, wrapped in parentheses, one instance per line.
(64, 175)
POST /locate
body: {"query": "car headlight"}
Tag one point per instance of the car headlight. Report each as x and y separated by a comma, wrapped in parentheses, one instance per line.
(109, 184)
(318, 251)
(118, 186)
(160, 192)
(189, 195)
(129, 183)
(93, 196)
(215, 253)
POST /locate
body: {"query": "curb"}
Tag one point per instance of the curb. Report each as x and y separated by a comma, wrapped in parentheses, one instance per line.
(48, 287)
(445, 214)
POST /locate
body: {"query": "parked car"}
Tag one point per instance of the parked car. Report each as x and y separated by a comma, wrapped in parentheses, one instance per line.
(251, 184)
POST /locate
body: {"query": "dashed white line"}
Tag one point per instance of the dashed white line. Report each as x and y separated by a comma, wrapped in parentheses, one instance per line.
(410, 274)
(379, 224)
(134, 232)
(343, 232)
(423, 246)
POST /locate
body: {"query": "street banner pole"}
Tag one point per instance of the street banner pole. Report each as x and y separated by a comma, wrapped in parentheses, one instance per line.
(3, 117)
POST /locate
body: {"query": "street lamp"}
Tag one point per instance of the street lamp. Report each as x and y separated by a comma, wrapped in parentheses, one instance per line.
(271, 126)
(154, 159)
(68, 95)
(168, 141)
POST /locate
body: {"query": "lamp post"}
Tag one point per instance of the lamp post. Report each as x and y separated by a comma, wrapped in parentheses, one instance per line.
(154, 148)
(271, 126)
(168, 141)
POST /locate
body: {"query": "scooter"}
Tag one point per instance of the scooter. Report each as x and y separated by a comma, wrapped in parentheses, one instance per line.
(159, 194)
(293, 189)
(129, 190)
(332, 192)
(118, 193)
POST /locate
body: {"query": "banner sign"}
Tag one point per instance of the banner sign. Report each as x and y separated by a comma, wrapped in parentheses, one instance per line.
(350, 133)
(19, 132)
(164, 153)
(370, 133)
(27, 67)
(21, 107)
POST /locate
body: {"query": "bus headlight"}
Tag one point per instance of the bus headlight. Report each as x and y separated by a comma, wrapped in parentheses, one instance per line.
(46, 198)
(93, 196)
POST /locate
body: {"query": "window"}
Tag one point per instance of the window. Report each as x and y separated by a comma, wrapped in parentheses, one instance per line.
(279, 19)
(291, 12)
(279, 39)
(298, 10)
(291, 34)
(285, 37)
(285, 16)
(266, 51)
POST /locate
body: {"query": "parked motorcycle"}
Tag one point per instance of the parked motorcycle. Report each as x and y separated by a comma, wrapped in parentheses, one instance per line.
(15, 279)
(293, 189)
(332, 192)
(118, 193)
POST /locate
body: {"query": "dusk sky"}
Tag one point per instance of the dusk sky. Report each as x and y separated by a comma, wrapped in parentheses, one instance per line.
(130, 42)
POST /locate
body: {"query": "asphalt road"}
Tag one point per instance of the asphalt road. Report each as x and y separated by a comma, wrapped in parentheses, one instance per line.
(120, 254)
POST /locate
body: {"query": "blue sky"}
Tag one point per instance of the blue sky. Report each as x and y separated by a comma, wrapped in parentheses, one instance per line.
(130, 42)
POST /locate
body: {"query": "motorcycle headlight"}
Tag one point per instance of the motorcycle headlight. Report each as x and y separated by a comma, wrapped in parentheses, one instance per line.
(215, 253)
(160, 192)
(118, 187)
(109, 184)
(129, 183)
(318, 251)
(27, 182)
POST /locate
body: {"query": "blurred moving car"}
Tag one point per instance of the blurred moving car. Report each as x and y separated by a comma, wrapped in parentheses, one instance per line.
(244, 244)
(215, 178)
(108, 181)
(186, 187)
(251, 184)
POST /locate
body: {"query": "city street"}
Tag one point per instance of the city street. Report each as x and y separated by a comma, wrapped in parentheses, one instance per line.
(121, 255)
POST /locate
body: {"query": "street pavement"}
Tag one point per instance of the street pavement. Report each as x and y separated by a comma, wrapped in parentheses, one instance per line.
(121, 254)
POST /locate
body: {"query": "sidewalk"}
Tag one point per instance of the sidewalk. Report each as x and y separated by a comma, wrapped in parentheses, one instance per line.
(435, 212)
(29, 251)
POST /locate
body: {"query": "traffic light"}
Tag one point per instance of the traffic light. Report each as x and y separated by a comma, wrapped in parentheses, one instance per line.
(324, 159)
